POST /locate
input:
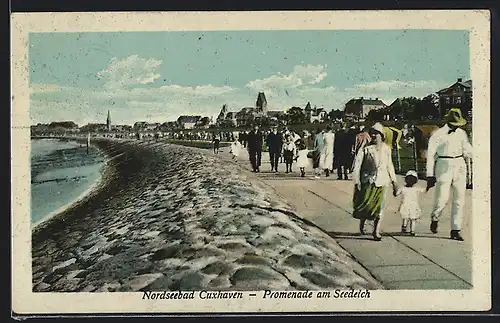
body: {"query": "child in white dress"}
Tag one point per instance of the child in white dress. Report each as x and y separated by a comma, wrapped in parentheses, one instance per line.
(410, 208)
(302, 160)
(235, 148)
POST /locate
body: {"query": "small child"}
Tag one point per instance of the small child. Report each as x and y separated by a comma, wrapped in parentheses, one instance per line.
(289, 152)
(235, 148)
(410, 209)
(302, 160)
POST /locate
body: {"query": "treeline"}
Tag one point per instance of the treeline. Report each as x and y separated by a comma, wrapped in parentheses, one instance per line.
(410, 108)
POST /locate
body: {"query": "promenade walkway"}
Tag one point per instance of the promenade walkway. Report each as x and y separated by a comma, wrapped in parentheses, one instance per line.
(427, 261)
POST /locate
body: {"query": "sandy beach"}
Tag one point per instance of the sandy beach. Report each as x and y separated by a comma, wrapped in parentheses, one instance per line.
(167, 217)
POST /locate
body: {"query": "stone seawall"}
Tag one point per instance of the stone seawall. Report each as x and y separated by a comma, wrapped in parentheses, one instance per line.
(168, 217)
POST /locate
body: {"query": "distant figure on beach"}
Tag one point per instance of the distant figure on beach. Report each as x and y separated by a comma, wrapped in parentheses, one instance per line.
(254, 139)
(317, 149)
(373, 171)
(326, 158)
(235, 148)
(302, 159)
(274, 143)
(216, 142)
(448, 149)
(409, 209)
(289, 152)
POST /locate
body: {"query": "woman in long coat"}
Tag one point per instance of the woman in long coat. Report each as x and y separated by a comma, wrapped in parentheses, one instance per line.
(326, 157)
(373, 172)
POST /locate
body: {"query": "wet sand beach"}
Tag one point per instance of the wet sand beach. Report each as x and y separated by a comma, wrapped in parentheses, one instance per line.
(168, 217)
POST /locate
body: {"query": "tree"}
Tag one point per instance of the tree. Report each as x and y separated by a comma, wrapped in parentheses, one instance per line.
(295, 115)
(375, 115)
(428, 107)
(205, 121)
(335, 114)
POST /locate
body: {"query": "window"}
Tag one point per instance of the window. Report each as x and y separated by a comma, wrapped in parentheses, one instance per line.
(458, 100)
(447, 100)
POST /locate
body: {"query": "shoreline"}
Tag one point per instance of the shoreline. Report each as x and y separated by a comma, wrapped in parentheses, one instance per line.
(179, 218)
(97, 183)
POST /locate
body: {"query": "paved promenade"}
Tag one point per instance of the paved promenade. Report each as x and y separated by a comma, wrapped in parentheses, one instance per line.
(426, 261)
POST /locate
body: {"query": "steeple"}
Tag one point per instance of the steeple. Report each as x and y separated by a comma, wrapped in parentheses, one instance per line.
(108, 121)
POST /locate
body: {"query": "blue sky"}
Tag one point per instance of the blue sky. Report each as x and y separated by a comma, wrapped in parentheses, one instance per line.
(157, 76)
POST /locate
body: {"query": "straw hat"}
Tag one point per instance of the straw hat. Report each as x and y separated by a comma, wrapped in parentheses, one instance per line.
(454, 117)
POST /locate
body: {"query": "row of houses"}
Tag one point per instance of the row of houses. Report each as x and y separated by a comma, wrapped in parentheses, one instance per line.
(459, 94)
(248, 115)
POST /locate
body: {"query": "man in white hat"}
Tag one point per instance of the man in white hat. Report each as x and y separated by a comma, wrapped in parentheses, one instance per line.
(446, 169)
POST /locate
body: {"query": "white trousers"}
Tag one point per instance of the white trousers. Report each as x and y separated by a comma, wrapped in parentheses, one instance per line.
(451, 175)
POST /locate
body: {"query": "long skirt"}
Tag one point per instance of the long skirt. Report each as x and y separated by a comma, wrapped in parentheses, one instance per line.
(368, 202)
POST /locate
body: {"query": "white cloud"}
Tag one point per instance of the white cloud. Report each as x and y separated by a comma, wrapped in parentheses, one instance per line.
(129, 101)
(395, 86)
(132, 70)
(300, 76)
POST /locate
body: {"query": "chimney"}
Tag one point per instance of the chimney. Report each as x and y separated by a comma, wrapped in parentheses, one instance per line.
(376, 99)
(361, 98)
(459, 79)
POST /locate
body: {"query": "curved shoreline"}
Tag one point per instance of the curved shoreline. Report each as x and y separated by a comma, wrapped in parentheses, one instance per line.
(178, 218)
(96, 184)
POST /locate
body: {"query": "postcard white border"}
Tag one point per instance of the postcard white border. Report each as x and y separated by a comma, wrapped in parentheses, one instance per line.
(24, 301)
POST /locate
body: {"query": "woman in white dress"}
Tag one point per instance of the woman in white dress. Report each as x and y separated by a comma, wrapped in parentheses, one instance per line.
(326, 156)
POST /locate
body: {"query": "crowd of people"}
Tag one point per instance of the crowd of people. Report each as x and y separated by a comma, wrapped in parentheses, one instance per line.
(366, 154)
(325, 150)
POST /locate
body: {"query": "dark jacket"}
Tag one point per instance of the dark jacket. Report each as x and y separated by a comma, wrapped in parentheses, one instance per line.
(343, 144)
(254, 140)
(274, 142)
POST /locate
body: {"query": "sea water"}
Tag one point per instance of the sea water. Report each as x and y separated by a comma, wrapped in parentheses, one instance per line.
(61, 172)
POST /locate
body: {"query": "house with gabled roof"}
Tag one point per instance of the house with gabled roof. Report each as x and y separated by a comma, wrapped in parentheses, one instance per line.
(246, 116)
(459, 95)
(358, 109)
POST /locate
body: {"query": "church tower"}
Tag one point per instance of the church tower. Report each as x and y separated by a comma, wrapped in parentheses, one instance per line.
(108, 121)
(261, 103)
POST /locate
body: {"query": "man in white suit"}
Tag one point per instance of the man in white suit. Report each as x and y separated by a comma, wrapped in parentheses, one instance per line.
(448, 148)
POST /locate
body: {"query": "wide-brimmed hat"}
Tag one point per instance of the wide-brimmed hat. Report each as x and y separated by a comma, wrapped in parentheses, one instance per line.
(411, 173)
(378, 128)
(454, 117)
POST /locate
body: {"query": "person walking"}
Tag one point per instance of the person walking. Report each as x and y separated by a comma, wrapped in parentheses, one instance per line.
(409, 209)
(274, 143)
(318, 145)
(302, 159)
(326, 158)
(447, 150)
(216, 142)
(342, 153)
(254, 143)
(235, 148)
(373, 172)
(289, 152)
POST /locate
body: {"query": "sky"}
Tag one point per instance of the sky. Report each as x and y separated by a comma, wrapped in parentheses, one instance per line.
(158, 76)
